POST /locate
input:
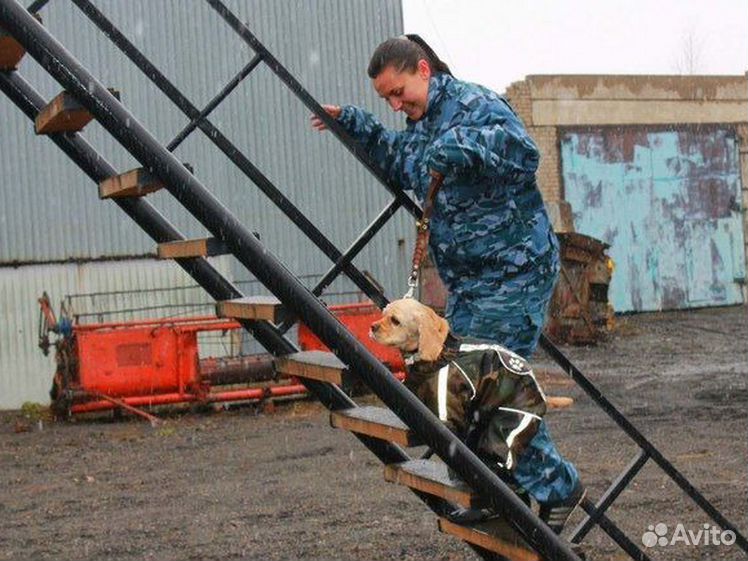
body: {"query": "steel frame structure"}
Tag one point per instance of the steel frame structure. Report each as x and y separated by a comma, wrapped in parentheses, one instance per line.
(302, 302)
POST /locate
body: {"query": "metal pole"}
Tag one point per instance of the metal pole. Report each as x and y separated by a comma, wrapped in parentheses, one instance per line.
(614, 532)
(37, 5)
(360, 242)
(213, 103)
(348, 256)
(610, 495)
(223, 225)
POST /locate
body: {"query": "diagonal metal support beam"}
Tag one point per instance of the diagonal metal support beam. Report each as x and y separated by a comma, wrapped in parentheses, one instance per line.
(213, 103)
(610, 495)
(360, 242)
(607, 525)
(350, 254)
(643, 443)
(37, 5)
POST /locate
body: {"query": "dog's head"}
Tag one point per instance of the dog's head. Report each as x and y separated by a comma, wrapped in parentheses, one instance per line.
(410, 326)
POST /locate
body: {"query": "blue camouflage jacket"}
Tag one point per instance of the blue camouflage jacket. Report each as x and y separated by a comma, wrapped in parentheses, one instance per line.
(488, 219)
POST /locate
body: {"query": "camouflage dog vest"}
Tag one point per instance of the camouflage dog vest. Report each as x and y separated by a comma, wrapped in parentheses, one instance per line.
(485, 393)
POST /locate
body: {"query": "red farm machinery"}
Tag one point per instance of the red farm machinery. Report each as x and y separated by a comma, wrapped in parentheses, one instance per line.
(144, 363)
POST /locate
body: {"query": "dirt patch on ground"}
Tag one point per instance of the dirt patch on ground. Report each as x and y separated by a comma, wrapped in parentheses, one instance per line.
(245, 484)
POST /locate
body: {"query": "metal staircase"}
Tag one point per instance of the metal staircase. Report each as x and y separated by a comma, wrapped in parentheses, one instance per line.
(387, 432)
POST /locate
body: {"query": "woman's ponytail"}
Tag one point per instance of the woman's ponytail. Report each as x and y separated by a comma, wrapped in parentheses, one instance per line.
(438, 66)
(403, 53)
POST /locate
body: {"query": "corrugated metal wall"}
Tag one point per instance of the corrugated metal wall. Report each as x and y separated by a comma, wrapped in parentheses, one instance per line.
(25, 374)
(49, 210)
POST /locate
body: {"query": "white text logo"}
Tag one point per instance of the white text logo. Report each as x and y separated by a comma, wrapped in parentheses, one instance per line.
(657, 535)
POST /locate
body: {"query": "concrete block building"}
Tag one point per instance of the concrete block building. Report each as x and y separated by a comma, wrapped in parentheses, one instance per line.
(655, 166)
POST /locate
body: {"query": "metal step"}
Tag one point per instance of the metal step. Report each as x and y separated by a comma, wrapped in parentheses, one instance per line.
(493, 535)
(433, 478)
(377, 422)
(267, 308)
(134, 183)
(11, 51)
(315, 365)
(203, 247)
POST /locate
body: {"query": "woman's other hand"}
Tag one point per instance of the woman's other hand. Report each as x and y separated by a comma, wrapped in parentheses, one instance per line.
(332, 110)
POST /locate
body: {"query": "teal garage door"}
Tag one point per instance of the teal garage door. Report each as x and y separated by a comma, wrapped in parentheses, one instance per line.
(668, 203)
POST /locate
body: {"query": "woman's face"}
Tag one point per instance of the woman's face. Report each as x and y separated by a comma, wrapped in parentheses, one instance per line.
(405, 91)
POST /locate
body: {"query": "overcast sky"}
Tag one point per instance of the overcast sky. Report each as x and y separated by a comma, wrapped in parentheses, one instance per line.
(497, 42)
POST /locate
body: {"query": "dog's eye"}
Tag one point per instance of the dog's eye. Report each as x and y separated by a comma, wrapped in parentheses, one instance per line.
(395, 321)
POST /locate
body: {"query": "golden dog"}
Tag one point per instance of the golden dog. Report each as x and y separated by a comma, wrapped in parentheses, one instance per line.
(416, 329)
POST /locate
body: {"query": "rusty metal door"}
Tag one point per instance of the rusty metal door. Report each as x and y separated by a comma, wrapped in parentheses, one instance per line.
(667, 202)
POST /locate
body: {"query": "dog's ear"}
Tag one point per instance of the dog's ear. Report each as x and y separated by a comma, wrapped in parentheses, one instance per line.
(432, 332)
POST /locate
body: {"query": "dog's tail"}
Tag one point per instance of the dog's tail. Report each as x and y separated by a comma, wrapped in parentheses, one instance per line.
(555, 402)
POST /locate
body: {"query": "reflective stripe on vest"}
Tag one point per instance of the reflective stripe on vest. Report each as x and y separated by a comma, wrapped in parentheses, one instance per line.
(441, 394)
(527, 418)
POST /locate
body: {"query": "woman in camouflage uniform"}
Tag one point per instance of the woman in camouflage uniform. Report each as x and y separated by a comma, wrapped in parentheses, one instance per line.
(491, 238)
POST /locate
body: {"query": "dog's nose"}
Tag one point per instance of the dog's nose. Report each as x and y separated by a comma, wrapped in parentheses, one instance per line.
(375, 327)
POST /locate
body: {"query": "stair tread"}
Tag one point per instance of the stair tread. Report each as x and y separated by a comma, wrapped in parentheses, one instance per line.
(433, 478)
(316, 365)
(63, 114)
(200, 247)
(267, 308)
(495, 535)
(133, 183)
(11, 51)
(316, 358)
(259, 300)
(378, 422)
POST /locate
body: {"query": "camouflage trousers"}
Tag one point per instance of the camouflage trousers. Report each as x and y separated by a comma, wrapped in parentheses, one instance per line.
(512, 313)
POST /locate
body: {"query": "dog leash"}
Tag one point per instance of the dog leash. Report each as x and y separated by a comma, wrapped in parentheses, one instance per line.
(422, 238)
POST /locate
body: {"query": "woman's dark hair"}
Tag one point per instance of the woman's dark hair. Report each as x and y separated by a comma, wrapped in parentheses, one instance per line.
(403, 53)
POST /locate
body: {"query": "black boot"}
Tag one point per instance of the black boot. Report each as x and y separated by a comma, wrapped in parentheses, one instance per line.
(557, 514)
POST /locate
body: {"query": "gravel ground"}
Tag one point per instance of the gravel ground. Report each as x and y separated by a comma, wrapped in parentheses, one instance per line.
(245, 484)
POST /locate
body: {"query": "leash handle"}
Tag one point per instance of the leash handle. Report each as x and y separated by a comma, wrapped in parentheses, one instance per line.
(423, 225)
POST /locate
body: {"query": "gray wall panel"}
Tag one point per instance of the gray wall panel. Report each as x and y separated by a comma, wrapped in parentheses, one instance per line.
(326, 44)
(25, 374)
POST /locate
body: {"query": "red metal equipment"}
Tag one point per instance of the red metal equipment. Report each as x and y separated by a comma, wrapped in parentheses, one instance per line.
(153, 362)
(146, 363)
(357, 318)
